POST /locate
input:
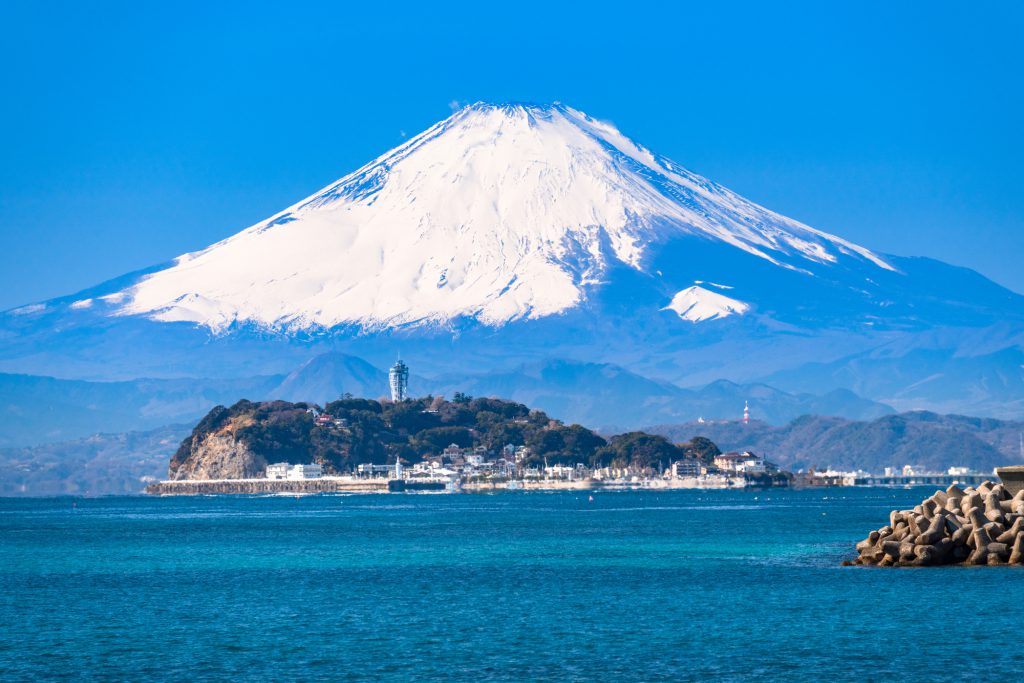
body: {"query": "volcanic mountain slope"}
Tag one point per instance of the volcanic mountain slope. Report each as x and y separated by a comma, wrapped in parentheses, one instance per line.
(496, 214)
(510, 234)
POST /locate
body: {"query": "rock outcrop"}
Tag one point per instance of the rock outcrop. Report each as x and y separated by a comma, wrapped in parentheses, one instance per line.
(218, 456)
(223, 445)
(973, 526)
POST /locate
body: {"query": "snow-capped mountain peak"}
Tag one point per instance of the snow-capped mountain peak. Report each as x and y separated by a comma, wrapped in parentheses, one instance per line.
(697, 304)
(500, 212)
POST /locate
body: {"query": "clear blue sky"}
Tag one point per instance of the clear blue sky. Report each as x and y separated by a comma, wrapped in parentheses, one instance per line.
(133, 132)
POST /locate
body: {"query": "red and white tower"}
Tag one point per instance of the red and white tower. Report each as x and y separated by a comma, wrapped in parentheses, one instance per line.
(746, 413)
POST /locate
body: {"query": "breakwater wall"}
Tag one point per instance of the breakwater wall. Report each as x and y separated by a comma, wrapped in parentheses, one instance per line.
(974, 526)
(197, 487)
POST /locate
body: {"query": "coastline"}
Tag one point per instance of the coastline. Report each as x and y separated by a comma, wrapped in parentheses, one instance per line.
(199, 487)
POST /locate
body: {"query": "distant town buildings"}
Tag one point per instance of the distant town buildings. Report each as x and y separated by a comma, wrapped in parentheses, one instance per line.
(687, 468)
(369, 470)
(516, 466)
(459, 466)
(398, 378)
(908, 475)
(283, 470)
(278, 470)
(743, 463)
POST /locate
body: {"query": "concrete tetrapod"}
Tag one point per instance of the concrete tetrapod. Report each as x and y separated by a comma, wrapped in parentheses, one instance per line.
(981, 525)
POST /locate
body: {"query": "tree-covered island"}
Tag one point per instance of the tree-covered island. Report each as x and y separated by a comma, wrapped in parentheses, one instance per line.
(240, 441)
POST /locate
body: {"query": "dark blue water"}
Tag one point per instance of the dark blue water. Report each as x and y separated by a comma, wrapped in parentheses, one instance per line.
(519, 586)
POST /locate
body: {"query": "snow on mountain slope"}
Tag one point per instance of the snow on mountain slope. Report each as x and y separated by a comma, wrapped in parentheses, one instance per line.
(498, 213)
(697, 304)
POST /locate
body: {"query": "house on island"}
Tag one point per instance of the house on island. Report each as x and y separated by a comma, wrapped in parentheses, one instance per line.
(370, 470)
(283, 470)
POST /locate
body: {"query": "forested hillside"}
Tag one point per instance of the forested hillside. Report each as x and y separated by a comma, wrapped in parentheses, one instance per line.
(927, 439)
(239, 441)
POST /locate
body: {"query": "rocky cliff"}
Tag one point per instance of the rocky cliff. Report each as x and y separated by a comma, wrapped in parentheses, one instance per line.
(217, 456)
(231, 443)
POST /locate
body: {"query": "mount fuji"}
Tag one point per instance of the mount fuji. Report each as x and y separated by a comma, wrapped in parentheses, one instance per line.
(511, 234)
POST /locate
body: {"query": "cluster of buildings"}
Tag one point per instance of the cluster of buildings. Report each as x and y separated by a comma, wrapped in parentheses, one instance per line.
(726, 470)
(455, 461)
(463, 466)
(456, 464)
(908, 475)
(737, 464)
(514, 463)
(283, 470)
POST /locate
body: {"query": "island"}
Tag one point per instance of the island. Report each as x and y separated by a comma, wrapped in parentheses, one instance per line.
(434, 444)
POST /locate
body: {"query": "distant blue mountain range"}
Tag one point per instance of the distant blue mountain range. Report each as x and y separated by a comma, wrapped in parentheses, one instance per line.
(36, 410)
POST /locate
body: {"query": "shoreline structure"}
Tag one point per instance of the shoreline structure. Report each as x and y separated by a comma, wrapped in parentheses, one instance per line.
(198, 487)
(970, 526)
(350, 484)
(353, 435)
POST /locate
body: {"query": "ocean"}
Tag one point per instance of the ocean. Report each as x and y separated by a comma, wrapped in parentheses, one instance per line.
(629, 586)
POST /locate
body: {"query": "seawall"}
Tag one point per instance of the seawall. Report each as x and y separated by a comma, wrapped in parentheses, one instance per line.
(198, 487)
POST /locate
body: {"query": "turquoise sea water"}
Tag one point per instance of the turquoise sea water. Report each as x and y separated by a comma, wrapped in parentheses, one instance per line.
(517, 586)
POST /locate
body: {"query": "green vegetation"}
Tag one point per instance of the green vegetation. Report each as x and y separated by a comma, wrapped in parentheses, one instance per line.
(637, 449)
(700, 448)
(933, 442)
(378, 431)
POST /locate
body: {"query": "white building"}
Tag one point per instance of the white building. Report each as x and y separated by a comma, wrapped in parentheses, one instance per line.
(278, 470)
(560, 472)
(684, 469)
(753, 465)
(368, 470)
(282, 470)
(741, 463)
(311, 471)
